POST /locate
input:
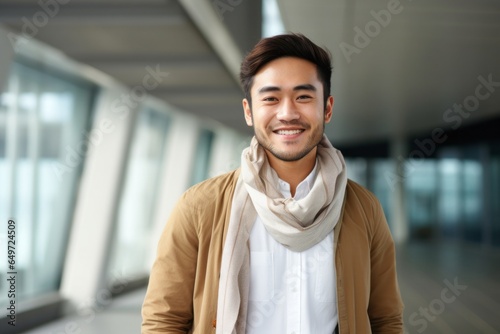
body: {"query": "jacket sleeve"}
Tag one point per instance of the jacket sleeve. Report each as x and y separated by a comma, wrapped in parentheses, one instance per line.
(385, 308)
(168, 305)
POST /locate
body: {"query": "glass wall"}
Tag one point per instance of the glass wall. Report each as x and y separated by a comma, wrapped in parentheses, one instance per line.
(449, 196)
(421, 198)
(272, 23)
(371, 173)
(139, 196)
(473, 201)
(455, 195)
(494, 196)
(43, 119)
(377, 171)
(357, 170)
(202, 158)
(462, 205)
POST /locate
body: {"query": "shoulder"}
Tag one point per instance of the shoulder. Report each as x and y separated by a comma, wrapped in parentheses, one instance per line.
(359, 195)
(204, 203)
(362, 208)
(208, 192)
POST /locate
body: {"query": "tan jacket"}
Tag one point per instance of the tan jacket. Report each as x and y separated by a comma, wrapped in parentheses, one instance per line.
(183, 286)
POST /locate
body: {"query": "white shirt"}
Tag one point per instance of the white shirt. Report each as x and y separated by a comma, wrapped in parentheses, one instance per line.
(291, 292)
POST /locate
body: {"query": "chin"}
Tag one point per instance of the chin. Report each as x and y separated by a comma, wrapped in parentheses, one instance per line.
(290, 156)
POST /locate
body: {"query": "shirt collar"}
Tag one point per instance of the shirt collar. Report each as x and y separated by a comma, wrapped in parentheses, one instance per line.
(303, 188)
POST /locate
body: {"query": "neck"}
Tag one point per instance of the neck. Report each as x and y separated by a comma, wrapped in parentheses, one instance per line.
(293, 172)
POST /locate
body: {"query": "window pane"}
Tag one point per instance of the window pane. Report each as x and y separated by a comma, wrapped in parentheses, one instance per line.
(139, 196)
(495, 199)
(379, 184)
(449, 202)
(472, 200)
(272, 23)
(202, 158)
(357, 170)
(421, 188)
(43, 118)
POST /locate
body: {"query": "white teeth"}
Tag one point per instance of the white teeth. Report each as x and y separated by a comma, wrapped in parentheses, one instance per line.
(289, 132)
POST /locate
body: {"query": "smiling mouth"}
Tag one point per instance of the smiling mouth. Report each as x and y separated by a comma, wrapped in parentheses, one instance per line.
(288, 132)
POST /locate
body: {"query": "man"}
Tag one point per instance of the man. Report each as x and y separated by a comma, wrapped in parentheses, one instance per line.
(285, 244)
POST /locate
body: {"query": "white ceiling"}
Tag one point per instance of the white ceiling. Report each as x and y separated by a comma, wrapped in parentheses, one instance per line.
(427, 58)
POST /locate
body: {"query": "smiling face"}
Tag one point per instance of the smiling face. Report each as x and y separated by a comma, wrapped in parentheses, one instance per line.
(287, 109)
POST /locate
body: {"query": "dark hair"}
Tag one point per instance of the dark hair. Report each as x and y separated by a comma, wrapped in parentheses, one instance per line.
(288, 45)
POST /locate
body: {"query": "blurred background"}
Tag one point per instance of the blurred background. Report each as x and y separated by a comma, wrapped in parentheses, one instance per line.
(110, 110)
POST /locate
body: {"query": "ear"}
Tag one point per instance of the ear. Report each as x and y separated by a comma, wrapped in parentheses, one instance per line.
(248, 112)
(329, 109)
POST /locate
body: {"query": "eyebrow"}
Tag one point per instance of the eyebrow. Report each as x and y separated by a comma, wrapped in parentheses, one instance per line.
(267, 89)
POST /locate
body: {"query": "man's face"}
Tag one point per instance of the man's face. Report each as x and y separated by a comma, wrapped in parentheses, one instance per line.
(287, 111)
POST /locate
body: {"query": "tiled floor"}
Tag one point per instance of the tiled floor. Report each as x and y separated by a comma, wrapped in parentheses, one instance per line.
(447, 288)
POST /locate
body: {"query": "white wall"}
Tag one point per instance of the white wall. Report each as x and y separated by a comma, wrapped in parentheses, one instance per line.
(91, 232)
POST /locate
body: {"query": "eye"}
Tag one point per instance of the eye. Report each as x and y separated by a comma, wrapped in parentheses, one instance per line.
(304, 97)
(269, 99)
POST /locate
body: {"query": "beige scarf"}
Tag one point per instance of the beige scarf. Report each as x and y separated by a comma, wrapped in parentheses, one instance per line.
(298, 225)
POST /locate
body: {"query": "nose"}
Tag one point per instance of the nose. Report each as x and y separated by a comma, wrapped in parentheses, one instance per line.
(287, 111)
